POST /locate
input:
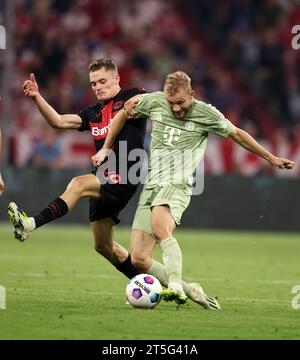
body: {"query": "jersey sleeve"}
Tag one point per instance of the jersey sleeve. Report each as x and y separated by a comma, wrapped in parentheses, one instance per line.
(217, 123)
(84, 115)
(135, 91)
(143, 108)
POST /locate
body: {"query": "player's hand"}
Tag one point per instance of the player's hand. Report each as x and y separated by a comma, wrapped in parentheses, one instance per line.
(30, 87)
(282, 163)
(100, 156)
(130, 105)
(1, 185)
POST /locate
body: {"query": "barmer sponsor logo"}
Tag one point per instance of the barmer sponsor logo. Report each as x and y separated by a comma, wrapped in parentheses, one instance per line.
(101, 131)
(2, 37)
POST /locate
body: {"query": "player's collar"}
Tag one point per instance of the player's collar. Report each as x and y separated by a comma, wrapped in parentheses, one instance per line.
(105, 102)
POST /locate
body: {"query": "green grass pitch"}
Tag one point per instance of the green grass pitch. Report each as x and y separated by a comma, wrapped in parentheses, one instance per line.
(58, 287)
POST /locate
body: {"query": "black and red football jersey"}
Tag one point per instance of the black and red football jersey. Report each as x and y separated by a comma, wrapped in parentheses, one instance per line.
(97, 118)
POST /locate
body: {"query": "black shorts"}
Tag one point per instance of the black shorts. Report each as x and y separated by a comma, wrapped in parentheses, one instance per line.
(114, 197)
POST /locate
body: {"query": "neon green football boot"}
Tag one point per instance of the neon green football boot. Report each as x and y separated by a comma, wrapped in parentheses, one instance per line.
(20, 222)
(174, 293)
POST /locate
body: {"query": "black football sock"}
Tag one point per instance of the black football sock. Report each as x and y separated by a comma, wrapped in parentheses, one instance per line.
(56, 209)
(127, 268)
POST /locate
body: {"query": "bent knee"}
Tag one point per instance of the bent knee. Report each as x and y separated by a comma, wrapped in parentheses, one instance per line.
(161, 232)
(103, 249)
(141, 263)
(77, 184)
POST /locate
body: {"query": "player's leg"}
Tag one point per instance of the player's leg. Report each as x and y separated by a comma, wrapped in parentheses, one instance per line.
(117, 255)
(142, 241)
(80, 186)
(142, 244)
(163, 225)
(162, 229)
(193, 291)
(141, 249)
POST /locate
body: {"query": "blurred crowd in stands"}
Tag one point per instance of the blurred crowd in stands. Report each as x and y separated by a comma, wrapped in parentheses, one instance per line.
(238, 54)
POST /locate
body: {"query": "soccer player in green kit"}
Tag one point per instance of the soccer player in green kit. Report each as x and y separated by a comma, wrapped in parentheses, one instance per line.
(180, 123)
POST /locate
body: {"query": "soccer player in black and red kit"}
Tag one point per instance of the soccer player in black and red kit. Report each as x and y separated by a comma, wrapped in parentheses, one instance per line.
(106, 199)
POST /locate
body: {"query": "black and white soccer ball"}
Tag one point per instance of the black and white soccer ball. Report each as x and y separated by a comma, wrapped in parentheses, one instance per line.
(143, 291)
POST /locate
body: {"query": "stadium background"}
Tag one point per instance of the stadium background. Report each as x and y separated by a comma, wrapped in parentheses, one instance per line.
(240, 58)
(238, 54)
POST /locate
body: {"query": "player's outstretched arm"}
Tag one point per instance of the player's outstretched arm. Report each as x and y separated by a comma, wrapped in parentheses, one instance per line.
(116, 126)
(57, 121)
(249, 143)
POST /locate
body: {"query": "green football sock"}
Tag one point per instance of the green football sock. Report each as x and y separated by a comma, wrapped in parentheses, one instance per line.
(159, 271)
(172, 258)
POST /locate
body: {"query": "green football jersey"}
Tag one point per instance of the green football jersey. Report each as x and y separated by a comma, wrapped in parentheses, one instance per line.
(178, 145)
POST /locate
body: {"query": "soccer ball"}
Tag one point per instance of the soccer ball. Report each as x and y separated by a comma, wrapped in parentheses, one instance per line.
(143, 291)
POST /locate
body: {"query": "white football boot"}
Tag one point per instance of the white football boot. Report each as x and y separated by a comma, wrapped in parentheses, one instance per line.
(197, 295)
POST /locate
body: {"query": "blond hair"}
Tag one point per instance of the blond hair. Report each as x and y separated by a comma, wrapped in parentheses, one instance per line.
(175, 81)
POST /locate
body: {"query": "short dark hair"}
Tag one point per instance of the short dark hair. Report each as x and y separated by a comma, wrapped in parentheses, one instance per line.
(107, 64)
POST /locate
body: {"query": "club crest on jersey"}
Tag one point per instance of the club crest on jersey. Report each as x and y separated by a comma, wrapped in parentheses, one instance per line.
(98, 115)
(189, 126)
(118, 105)
(156, 117)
